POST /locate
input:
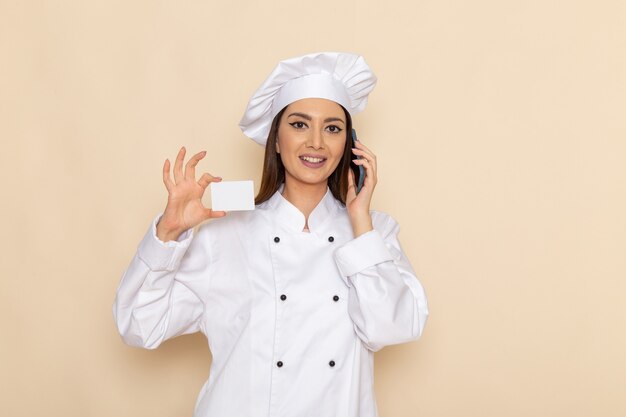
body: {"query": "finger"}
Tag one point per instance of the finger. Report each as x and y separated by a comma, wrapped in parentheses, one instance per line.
(350, 179)
(363, 148)
(370, 172)
(178, 165)
(190, 168)
(367, 154)
(351, 192)
(364, 153)
(213, 214)
(371, 160)
(360, 145)
(166, 176)
(206, 179)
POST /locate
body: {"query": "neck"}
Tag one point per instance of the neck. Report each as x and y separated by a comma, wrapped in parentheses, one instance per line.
(305, 197)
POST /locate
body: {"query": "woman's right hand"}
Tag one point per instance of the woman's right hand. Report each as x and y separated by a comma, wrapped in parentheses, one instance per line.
(184, 208)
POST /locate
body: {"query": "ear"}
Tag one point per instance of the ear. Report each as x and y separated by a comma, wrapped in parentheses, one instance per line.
(277, 147)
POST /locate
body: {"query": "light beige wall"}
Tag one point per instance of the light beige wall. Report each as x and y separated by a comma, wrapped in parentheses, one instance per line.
(501, 133)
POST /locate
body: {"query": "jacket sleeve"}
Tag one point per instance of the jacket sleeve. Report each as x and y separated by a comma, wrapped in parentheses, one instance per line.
(160, 293)
(386, 301)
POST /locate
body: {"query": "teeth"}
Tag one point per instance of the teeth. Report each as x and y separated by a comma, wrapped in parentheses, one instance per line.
(311, 159)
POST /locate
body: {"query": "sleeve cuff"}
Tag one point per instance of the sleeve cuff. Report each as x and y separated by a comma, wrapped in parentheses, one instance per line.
(159, 255)
(365, 251)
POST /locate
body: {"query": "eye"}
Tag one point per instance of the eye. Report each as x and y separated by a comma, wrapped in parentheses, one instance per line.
(334, 129)
(298, 125)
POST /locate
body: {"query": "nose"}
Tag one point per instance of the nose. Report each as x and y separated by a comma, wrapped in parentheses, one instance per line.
(316, 139)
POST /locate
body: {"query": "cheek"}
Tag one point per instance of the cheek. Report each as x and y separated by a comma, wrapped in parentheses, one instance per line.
(285, 141)
(339, 149)
(284, 151)
(337, 153)
(283, 147)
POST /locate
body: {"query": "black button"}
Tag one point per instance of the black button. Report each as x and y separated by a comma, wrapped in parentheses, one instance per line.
(331, 363)
(335, 297)
(331, 239)
(279, 364)
(283, 297)
(276, 239)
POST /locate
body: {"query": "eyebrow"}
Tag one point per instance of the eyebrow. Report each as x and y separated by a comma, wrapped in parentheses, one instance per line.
(327, 120)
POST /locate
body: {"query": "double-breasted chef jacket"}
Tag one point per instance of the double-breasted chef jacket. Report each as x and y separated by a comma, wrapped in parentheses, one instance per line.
(292, 317)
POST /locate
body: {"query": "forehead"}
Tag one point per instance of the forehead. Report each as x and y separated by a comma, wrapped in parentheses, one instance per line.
(316, 107)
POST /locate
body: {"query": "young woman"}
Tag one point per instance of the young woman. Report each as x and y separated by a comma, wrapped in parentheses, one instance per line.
(296, 295)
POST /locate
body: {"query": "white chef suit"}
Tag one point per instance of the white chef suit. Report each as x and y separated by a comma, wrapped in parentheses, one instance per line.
(292, 318)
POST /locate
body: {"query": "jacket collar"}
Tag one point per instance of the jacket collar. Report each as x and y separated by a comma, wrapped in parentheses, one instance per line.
(288, 215)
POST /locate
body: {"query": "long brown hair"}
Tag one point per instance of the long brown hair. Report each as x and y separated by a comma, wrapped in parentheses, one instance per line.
(274, 170)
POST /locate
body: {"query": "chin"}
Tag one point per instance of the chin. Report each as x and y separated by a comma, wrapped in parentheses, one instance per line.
(310, 180)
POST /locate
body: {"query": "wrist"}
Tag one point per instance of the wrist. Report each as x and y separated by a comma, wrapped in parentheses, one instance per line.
(361, 224)
(166, 232)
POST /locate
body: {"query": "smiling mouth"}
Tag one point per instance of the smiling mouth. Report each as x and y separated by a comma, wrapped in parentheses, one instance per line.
(312, 159)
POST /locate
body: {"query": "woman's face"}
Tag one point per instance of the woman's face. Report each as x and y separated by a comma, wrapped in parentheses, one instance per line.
(311, 140)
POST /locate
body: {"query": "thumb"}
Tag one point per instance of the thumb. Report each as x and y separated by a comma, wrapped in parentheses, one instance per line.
(213, 214)
(351, 188)
(206, 179)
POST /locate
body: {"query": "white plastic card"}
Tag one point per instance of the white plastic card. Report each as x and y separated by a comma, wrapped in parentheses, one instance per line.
(232, 195)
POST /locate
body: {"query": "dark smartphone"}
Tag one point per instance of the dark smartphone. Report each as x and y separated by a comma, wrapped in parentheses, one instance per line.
(359, 171)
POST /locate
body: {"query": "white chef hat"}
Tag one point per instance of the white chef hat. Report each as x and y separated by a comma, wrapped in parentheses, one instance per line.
(341, 77)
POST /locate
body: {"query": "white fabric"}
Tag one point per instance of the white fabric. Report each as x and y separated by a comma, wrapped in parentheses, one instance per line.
(312, 85)
(338, 76)
(226, 280)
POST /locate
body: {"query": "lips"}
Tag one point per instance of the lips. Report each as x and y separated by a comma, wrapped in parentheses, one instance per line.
(312, 161)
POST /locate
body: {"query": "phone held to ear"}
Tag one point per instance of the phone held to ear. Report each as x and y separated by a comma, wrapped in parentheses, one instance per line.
(358, 170)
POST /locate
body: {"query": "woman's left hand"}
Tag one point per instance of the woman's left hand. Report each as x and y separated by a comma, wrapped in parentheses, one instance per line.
(358, 205)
